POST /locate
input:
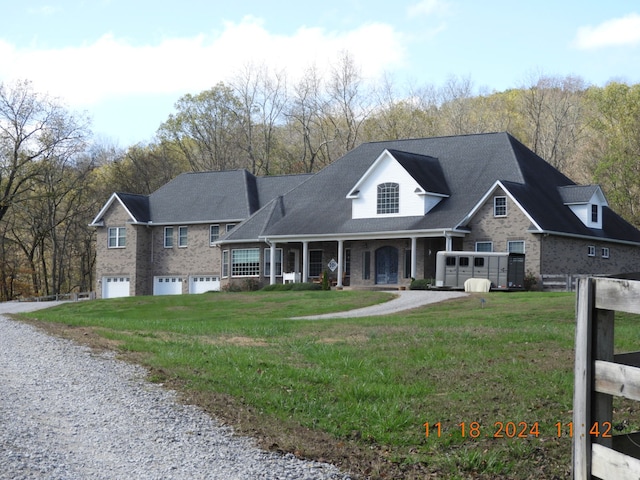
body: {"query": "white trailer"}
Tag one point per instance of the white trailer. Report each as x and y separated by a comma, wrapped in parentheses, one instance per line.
(504, 270)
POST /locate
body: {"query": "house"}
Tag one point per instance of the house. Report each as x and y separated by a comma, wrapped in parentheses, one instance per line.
(376, 216)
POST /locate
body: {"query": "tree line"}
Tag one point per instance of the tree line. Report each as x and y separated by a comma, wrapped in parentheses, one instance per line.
(55, 177)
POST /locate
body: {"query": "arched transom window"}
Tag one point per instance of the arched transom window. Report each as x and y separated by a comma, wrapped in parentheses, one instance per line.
(388, 198)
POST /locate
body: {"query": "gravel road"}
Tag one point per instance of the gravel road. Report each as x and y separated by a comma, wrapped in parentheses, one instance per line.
(69, 413)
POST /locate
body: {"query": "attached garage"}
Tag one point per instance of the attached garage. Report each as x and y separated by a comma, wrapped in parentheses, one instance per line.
(167, 285)
(203, 283)
(114, 287)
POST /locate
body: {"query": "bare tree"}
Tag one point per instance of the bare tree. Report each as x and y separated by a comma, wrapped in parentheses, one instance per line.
(33, 128)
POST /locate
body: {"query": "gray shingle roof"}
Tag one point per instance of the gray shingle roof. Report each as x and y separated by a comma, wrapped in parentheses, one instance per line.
(470, 166)
(216, 196)
(138, 205)
(573, 194)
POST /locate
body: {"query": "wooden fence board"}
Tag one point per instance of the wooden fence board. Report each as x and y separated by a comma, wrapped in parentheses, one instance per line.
(608, 464)
(616, 379)
(617, 294)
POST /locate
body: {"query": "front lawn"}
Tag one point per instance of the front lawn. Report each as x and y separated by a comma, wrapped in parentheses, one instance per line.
(493, 378)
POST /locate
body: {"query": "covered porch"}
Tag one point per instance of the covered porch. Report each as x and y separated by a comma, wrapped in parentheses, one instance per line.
(390, 259)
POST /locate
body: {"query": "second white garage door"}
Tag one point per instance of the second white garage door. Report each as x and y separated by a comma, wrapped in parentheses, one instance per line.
(167, 285)
(204, 283)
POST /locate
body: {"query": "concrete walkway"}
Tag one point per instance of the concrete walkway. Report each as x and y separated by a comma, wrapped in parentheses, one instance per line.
(405, 300)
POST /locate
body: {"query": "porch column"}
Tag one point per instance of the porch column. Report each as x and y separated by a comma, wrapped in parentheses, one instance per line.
(305, 261)
(449, 242)
(414, 257)
(272, 272)
(340, 262)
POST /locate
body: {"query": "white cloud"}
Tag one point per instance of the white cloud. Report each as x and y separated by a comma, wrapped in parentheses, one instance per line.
(110, 67)
(427, 8)
(616, 32)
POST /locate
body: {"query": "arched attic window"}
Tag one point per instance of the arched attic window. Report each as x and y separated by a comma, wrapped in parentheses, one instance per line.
(388, 198)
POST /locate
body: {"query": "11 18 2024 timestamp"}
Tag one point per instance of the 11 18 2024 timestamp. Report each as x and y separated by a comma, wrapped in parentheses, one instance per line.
(512, 429)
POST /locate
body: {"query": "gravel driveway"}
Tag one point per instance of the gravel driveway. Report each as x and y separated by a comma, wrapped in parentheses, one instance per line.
(69, 413)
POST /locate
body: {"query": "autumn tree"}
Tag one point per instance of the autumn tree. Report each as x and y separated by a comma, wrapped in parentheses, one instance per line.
(205, 129)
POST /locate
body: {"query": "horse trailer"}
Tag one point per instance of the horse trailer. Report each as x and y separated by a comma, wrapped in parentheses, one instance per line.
(504, 270)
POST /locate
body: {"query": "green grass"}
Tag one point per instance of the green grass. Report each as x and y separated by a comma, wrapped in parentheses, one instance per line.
(373, 381)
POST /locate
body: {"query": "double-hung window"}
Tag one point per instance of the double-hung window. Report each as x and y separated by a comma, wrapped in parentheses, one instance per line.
(388, 198)
(117, 237)
(168, 237)
(182, 236)
(214, 233)
(515, 246)
(499, 206)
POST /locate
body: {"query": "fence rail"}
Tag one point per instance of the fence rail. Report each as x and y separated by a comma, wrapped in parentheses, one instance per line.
(73, 297)
(599, 376)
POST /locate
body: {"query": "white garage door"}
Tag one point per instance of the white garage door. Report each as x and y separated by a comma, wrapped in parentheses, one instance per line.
(203, 283)
(113, 287)
(167, 285)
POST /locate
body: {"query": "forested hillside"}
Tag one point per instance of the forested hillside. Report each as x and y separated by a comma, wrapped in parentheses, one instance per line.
(54, 177)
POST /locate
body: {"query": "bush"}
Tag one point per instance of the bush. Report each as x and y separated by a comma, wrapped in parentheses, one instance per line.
(296, 287)
(422, 284)
(325, 281)
(530, 281)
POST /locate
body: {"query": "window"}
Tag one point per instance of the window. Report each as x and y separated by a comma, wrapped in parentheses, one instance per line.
(182, 236)
(168, 237)
(366, 265)
(478, 262)
(605, 252)
(591, 251)
(315, 263)
(484, 246)
(117, 237)
(451, 261)
(407, 264)
(463, 262)
(267, 262)
(388, 198)
(214, 234)
(245, 262)
(230, 226)
(225, 263)
(515, 246)
(499, 206)
(347, 261)
(594, 213)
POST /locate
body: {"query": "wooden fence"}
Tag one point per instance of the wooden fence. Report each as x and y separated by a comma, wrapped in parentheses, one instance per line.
(73, 297)
(600, 375)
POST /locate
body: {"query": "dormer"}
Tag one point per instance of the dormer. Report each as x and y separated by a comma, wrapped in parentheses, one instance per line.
(586, 202)
(398, 184)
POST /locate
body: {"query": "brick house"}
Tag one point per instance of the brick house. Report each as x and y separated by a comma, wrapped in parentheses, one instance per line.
(376, 216)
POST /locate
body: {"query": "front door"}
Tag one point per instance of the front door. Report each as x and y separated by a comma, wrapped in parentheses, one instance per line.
(387, 265)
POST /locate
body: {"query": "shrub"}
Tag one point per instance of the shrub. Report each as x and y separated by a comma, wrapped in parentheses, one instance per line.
(422, 284)
(530, 281)
(325, 281)
(306, 286)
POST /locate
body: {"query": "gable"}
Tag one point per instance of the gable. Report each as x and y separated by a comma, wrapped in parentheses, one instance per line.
(135, 206)
(417, 181)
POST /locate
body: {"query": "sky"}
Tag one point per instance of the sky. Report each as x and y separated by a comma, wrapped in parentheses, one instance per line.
(127, 62)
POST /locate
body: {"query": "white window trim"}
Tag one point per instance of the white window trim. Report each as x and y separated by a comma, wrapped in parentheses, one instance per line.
(591, 251)
(495, 199)
(211, 242)
(165, 237)
(243, 274)
(606, 253)
(488, 242)
(117, 237)
(267, 262)
(524, 246)
(180, 237)
(226, 256)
